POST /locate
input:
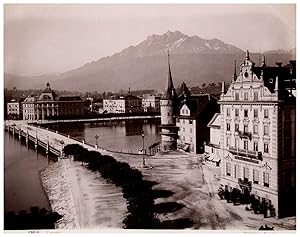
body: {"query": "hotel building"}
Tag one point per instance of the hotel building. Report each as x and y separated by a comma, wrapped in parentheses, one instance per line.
(258, 134)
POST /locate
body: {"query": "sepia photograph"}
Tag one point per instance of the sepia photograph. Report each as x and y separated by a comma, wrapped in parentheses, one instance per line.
(149, 117)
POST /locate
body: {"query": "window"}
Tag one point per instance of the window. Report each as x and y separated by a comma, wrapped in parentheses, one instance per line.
(236, 143)
(191, 140)
(255, 113)
(246, 113)
(246, 96)
(255, 95)
(227, 141)
(266, 130)
(255, 129)
(266, 147)
(245, 144)
(228, 168)
(255, 146)
(255, 176)
(191, 130)
(236, 127)
(191, 121)
(183, 129)
(237, 96)
(266, 113)
(246, 173)
(236, 171)
(245, 128)
(236, 112)
(228, 112)
(266, 179)
(228, 126)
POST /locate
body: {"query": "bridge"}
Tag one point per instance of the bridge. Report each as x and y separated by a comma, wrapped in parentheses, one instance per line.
(106, 119)
(54, 141)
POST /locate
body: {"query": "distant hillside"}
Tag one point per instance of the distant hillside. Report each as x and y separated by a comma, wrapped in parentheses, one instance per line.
(193, 60)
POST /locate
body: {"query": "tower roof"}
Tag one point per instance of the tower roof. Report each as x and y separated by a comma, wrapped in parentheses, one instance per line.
(170, 92)
(234, 76)
(183, 90)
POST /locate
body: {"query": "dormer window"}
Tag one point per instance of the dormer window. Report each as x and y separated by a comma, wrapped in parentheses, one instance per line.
(255, 95)
(246, 74)
(237, 96)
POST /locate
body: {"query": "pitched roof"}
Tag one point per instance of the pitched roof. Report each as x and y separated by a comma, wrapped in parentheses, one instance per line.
(183, 90)
(215, 122)
(69, 98)
(198, 104)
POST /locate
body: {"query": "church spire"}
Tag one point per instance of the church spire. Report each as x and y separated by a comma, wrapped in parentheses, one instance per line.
(234, 73)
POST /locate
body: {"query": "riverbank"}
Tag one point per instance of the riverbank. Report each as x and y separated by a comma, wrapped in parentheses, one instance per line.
(85, 200)
(58, 191)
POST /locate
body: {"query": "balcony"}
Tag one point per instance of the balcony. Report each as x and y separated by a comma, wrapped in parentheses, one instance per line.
(246, 135)
(246, 155)
(244, 183)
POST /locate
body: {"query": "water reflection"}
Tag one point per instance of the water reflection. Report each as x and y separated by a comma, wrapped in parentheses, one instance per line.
(22, 184)
(133, 127)
(116, 136)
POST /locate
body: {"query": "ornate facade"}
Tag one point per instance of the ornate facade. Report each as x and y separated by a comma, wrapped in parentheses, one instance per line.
(49, 105)
(258, 134)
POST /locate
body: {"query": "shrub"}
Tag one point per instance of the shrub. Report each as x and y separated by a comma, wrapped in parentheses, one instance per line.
(71, 149)
(138, 192)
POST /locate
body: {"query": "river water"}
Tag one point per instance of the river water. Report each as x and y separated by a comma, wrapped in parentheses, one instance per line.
(22, 184)
(122, 136)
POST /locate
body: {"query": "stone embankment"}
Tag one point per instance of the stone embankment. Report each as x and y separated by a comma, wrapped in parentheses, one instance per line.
(59, 194)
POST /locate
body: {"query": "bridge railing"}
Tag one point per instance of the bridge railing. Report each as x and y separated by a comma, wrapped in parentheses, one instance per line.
(122, 151)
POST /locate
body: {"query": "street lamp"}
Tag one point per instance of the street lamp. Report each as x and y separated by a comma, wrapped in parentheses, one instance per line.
(96, 137)
(143, 137)
(62, 146)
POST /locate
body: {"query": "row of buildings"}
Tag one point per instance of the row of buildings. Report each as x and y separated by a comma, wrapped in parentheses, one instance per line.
(132, 104)
(46, 105)
(49, 105)
(250, 131)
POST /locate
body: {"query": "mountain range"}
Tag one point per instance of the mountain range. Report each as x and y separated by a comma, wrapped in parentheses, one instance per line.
(193, 60)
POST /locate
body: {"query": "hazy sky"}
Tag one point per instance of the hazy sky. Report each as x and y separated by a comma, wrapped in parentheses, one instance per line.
(41, 39)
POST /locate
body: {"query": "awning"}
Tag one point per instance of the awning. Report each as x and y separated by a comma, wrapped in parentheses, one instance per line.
(216, 159)
(186, 147)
